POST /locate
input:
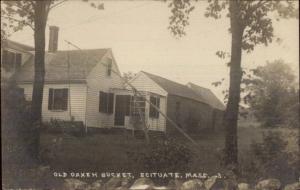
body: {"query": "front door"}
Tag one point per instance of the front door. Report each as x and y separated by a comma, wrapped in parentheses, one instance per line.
(121, 109)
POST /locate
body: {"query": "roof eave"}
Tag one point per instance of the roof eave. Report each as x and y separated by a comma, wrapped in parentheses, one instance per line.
(79, 81)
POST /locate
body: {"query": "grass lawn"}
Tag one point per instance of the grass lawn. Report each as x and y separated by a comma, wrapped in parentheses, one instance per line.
(108, 152)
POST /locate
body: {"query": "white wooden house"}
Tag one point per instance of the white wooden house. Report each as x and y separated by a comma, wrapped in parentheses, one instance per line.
(190, 108)
(85, 85)
(78, 86)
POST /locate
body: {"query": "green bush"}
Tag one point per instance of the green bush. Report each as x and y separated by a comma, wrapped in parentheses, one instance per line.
(15, 126)
(164, 156)
(268, 159)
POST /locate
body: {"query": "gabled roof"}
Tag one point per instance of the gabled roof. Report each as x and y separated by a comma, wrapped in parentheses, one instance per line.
(207, 95)
(81, 62)
(16, 45)
(174, 88)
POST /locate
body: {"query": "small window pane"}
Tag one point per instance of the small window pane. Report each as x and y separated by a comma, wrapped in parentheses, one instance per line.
(153, 112)
(58, 99)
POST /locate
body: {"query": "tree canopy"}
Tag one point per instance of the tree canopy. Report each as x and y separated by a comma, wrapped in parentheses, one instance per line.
(273, 95)
(250, 25)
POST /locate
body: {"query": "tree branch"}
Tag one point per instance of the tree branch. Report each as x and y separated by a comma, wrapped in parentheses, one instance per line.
(55, 5)
(18, 21)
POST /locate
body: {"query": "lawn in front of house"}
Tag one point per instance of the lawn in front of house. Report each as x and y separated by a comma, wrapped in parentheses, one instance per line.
(109, 152)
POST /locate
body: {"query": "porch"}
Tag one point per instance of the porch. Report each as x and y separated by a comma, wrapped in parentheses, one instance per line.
(133, 112)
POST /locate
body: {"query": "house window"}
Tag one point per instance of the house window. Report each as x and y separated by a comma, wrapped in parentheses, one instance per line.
(137, 106)
(106, 102)
(58, 99)
(154, 113)
(109, 67)
(11, 60)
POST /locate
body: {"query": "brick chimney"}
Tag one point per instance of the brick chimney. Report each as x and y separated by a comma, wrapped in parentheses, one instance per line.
(53, 39)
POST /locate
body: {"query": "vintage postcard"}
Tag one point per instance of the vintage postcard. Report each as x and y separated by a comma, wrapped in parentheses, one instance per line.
(150, 94)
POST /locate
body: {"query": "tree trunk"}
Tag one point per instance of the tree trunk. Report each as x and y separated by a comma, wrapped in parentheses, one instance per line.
(40, 20)
(232, 109)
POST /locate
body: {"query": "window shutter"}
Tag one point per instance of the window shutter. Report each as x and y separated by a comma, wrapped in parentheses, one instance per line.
(157, 105)
(110, 108)
(4, 61)
(65, 97)
(103, 102)
(50, 99)
(152, 109)
(153, 112)
(18, 61)
(128, 98)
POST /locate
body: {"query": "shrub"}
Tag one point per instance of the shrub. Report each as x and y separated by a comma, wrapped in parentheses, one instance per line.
(164, 156)
(268, 159)
(15, 126)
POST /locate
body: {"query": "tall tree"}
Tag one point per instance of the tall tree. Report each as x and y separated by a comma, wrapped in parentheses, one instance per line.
(272, 94)
(33, 13)
(250, 25)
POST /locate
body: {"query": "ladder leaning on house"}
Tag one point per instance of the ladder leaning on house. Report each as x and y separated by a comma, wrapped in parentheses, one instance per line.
(138, 114)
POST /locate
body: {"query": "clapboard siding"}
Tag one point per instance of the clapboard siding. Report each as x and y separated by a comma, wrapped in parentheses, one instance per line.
(143, 83)
(97, 81)
(77, 101)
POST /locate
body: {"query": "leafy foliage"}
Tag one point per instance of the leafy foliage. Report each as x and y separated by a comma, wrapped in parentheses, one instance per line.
(272, 94)
(15, 15)
(179, 19)
(15, 126)
(164, 156)
(269, 159)
(250, 25)
(253, 17)
(128, 76)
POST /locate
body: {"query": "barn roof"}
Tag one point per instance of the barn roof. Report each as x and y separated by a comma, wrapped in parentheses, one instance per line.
(175, 88)
(81, 62)
(207, 95)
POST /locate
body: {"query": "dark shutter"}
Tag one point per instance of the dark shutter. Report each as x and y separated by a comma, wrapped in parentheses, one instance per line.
(4, 61)
(152, 101)
(65, 96)
(153, 113)
(127, 112)
(50, 99)
(110, 106)
(18, 61)
(103, 102)
(157, 105)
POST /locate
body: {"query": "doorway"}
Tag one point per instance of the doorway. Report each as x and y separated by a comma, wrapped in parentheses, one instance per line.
(122, 109)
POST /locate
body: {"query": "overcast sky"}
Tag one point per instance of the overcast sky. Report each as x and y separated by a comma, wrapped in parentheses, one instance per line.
(138, 35)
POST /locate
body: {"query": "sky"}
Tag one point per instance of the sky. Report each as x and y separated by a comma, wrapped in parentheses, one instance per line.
(137, 33)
